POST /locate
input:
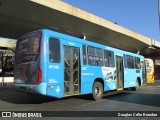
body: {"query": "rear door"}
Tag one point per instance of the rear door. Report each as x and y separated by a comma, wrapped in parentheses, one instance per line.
(71, 70)
(120, 72)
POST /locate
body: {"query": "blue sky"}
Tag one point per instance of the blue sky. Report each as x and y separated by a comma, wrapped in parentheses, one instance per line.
(140, 16)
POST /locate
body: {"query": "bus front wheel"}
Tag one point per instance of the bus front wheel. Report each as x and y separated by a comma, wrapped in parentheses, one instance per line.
(97, 91)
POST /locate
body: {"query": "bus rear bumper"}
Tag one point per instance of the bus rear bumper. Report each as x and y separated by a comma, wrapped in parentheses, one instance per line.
(37, 88)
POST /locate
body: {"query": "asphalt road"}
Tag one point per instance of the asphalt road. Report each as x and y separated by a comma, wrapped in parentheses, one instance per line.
(146, 99)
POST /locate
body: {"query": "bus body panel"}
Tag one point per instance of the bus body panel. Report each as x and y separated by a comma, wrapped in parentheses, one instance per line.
(129, 78)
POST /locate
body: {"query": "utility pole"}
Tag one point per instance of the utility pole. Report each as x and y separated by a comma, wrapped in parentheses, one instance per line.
(159, 12)
(2, 62)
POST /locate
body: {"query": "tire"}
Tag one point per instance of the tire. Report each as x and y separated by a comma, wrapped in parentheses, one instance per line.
(97, 91)
(137, 86)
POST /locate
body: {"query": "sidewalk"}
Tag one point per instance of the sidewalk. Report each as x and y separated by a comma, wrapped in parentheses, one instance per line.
(156, 83)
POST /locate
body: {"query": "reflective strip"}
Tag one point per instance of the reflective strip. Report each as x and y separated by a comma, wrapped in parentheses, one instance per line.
(66, 83)
(67, 62)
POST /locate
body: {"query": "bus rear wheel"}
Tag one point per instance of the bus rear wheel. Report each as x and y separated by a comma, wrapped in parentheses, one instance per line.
(97, 91)
(137, 86)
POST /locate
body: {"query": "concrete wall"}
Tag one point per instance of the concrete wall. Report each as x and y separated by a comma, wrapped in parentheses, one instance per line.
(7, 79)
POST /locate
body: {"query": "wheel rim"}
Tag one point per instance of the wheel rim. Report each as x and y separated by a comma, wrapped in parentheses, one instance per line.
(97, 91)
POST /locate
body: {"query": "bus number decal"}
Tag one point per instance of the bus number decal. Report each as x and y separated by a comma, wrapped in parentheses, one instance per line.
(53, 67)
(84, 68)
(53, 81)
(90, 74)
(71, 43)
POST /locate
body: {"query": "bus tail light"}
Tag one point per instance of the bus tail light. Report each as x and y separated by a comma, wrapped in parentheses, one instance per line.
(39, 79)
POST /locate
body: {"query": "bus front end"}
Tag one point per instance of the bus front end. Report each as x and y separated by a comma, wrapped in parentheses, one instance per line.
(150, 70)
(27, 69)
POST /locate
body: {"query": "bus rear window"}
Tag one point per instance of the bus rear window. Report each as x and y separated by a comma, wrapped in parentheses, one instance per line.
(27, 48)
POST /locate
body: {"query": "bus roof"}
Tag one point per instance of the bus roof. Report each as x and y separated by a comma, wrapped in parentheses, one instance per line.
(86, 42)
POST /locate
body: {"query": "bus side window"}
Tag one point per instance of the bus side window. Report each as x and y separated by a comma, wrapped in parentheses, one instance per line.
(125, 61)
(54, 50)
(130, 61)
(91, 56)
(95, 56)
(137, 63)
(99, 56)
(111, 58)
(105, 58)
(84, 55)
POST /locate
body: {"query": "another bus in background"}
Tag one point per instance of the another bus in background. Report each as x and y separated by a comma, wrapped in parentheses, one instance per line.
(150, 70)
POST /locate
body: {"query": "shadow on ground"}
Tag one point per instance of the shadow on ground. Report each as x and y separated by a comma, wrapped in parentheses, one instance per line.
(9, 94)
(136, 98)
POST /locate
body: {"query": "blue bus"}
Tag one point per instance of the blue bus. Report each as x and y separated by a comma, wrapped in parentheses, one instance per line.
(59, 65)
